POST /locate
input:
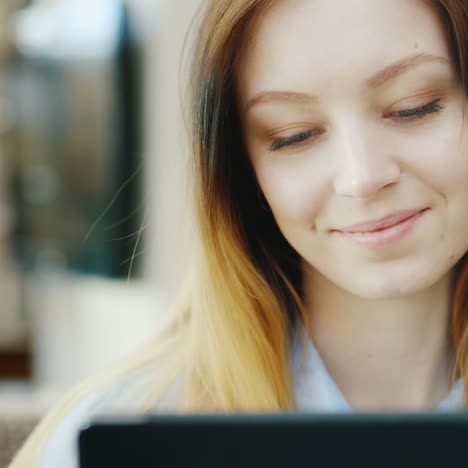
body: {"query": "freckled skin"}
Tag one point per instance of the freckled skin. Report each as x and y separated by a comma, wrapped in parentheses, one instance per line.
(362, 165)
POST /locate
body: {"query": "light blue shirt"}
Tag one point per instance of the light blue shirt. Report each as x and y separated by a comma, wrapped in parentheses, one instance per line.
(314, 391)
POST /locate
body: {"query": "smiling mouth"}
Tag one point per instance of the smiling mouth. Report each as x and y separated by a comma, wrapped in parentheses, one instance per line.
(384, 232)
(381, 223)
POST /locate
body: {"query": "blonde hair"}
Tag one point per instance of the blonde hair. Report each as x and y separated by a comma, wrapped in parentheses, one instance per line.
(229, 333)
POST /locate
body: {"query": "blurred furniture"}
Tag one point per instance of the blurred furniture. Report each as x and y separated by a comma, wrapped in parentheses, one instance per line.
(14, 343)
(75, 84)
(13, 432)
(22, 405)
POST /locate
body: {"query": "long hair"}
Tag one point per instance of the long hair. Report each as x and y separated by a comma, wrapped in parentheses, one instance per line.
(228, 337)
(249, 288)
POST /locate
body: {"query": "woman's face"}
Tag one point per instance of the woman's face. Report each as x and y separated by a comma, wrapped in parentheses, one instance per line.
(352, 113)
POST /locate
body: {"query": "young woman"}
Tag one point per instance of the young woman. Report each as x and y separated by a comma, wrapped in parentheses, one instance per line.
(330, 150)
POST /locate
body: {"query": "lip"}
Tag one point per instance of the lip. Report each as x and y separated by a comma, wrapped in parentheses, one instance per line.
(364, 236)
(382, 223)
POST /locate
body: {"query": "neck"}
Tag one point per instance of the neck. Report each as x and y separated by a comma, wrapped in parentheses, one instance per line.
(383, 354)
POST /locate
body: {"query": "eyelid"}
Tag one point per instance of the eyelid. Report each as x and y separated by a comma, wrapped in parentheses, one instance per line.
(414, 102)
(415, 112)
(293, 129)
(296, 140)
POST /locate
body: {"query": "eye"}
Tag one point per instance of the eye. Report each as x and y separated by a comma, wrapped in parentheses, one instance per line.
(294, 140)
(433, 107)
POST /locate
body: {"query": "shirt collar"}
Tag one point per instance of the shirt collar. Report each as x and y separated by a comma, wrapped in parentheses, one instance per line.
(315, 390)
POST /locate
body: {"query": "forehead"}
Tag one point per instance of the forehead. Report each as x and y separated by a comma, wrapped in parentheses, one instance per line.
(328, 45)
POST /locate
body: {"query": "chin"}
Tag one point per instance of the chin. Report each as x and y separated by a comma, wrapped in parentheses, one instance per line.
(393, 285)
(389, 290)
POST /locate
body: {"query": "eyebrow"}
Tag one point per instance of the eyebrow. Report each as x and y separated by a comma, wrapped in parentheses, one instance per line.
(375, 81)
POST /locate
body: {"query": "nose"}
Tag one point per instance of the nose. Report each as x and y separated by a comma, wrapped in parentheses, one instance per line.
(364, 166)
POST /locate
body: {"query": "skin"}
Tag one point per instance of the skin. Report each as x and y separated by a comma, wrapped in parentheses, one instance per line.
(379, 317)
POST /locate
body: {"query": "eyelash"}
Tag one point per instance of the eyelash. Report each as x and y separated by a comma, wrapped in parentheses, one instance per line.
(410, 114)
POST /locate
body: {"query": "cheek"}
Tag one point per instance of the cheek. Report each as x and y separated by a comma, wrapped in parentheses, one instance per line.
(295, 193)
(447, 167)
(440, 159)
(440, 163)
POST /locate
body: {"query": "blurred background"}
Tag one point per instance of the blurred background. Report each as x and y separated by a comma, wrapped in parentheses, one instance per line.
(95, 226)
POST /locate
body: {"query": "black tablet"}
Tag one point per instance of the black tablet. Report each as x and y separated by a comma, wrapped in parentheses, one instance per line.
(374, 440)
